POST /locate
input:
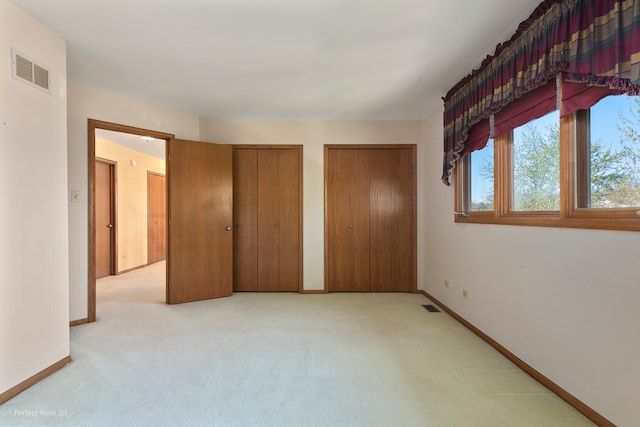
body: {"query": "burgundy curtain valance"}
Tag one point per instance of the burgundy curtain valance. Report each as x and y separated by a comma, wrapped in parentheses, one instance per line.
(580, 96)
(479, 136)
(527, 108)
(596, 42)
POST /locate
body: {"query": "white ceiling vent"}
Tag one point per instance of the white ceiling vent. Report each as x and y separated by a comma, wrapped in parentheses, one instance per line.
(28, 71)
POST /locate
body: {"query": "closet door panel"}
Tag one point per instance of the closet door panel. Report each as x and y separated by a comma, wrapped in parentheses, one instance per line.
(245, 220)
(404, 201)
(288, 214)
(381, 229)
(347, 198)
(268, 221)
(392, 229)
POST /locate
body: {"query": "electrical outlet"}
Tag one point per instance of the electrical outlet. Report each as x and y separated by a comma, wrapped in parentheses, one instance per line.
(446, 284)
(465, 294)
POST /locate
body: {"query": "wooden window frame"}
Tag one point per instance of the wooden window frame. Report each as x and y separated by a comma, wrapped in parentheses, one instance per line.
(574, 163)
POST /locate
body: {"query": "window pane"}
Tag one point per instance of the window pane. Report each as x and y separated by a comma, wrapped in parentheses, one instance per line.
(481, 183)
(536, 165)
(614, 165)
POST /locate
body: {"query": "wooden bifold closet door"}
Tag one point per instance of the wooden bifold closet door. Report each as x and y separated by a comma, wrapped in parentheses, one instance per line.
(347, 218)
(370, 221)
(267, 218)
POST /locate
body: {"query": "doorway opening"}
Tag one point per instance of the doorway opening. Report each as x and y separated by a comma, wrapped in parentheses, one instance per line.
(138, 214)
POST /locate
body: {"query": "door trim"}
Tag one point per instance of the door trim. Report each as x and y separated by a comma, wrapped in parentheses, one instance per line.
(113, 206)
(92, 125)
(414, 185)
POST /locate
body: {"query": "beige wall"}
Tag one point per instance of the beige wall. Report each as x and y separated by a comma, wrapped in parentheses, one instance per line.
(312, 135)
(34, 252)
(85, 102)
(563, 300)
(131, 193)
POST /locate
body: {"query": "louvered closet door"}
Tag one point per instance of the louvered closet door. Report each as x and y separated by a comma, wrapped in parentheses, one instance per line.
(347, 222)
(278, 220)
(392, 231)
(245, 219)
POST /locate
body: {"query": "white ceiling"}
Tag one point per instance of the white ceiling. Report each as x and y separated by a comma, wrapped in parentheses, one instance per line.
(280, 59)
(151, 146)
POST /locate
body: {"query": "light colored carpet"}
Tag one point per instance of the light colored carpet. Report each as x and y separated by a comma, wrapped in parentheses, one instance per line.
(280, 360)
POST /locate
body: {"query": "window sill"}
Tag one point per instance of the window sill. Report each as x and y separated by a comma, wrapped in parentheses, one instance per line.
(551, 219)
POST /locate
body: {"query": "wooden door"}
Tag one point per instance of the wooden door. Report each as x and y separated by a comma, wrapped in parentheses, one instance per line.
(347, 220)
(391, 212)
(278, 220)
(105, 218)
(156, 217)
(200, 203)
(245, 219)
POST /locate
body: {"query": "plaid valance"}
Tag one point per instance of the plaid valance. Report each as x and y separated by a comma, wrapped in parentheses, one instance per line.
(596, 42)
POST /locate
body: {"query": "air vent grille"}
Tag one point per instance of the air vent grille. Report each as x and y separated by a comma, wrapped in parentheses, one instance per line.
(431, 308)
(41, 76)
(26, 70)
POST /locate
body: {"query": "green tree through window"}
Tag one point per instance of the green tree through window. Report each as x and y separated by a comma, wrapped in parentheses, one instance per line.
(615, 153)
(536, 165)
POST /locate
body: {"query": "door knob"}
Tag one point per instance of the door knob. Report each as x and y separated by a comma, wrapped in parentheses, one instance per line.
(228, 228)
(109, 225)
(276, 226)
(388, 225)
(349, 226)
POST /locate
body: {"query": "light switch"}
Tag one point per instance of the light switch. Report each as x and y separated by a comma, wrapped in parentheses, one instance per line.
(75, 197)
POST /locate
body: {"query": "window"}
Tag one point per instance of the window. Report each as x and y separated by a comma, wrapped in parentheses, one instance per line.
(608, 153)
(579, 171)
(479, 180)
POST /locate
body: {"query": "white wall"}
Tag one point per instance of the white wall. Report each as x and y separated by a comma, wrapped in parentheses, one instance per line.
(34, 275)
(563, 300)
(313, 135)
(85, 103)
